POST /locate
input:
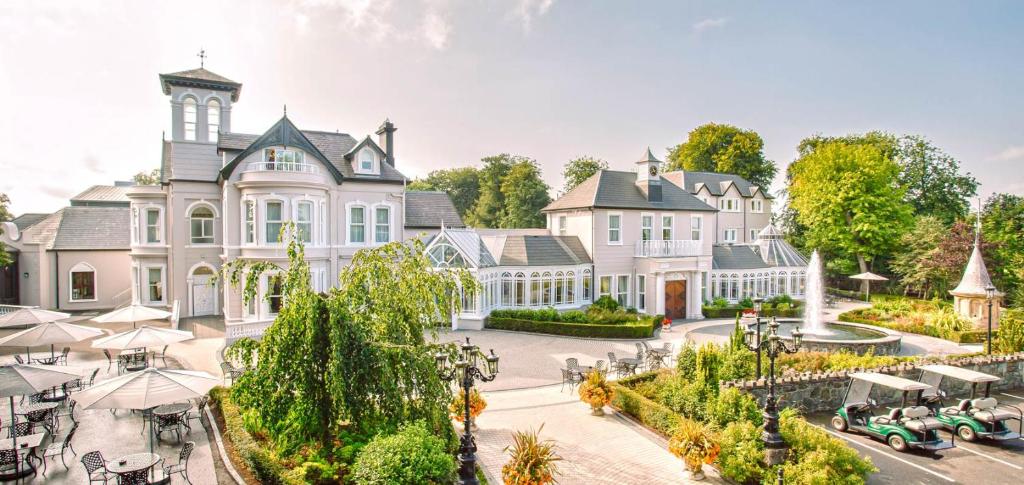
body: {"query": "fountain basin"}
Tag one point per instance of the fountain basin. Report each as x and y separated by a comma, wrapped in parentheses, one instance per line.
(851, 337)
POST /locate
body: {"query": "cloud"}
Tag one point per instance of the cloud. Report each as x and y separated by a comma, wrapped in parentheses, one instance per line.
(436, 29)
(708, 24)
(93, 164)
(1010, 153)
(527, 10)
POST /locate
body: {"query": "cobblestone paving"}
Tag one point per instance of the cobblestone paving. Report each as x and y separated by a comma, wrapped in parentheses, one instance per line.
(596, 450)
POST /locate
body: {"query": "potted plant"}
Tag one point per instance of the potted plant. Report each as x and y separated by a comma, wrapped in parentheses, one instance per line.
(476, 406)
(694, 443)
(533, 460)
(596, 392)
(666, 324)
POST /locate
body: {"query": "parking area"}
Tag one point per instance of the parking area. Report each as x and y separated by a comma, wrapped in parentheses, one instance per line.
(983, 461)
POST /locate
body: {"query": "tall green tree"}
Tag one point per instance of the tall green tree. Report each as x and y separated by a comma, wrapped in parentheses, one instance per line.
(722, 148)
(489, 208)
(580, 169)
(911, 261)
(5, 215)
(1003, 224)
(525, 195)
(932, 180)
(461, 184)
(848, 198)
(150, 178)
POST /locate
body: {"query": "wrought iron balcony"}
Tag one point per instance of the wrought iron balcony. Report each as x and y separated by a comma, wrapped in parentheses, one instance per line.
(668, 249)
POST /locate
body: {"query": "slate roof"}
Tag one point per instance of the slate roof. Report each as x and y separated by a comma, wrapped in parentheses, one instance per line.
(612, 189)
(515, 250)
(26, 221)
(735, 257)
(200, 78)
(470, 244)
(718, 183)
(430, 210)
(93, 228)
(775, 251)
(102, 193)
(332, 145)
(975, 278)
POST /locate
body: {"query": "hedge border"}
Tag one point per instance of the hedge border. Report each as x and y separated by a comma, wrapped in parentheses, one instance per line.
(644, 328)
(650, 413)
(257, 461)
(712, 312)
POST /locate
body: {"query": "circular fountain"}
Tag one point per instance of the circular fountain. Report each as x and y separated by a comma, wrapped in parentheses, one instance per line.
(819, 335)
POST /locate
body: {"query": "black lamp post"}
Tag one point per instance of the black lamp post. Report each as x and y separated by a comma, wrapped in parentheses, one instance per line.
(990, 294)
(773, 345)
(757, 319)
(466, 370)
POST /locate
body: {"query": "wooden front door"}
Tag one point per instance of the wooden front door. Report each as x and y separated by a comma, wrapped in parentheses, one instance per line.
(675, 299)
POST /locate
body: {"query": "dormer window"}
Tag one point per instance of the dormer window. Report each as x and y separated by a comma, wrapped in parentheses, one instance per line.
(281, 159)
(190, 119)
(366, 161)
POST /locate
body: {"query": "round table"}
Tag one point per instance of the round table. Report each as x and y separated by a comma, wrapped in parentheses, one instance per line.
(172, 409)
(132, 463)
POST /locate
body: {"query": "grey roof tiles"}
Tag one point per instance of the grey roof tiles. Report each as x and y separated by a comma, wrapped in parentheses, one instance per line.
(28, 220)
(102, 193)
(430, 210)
(717, 183)
(200, 78)
(93, 228)
(515, 250)
(613, 189)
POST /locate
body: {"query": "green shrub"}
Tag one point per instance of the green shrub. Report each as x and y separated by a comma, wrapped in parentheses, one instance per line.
(719, 303)
(815, 457)
(574, 316)
(742, 455)
(652, 414)
(738, 364)
(975, 337)
(260, 461)
(685, 396)
(413, 456)
(730, 406)
(780, 299)
(686, 360)
(606, 303)
(836, 361)
(1011, 331)
(783, 307)
(746, 303)
(635, 330)
(709, 359)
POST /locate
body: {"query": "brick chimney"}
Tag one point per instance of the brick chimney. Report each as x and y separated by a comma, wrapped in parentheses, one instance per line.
(386, 140)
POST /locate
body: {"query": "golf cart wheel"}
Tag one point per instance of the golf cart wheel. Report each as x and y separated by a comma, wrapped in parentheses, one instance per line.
(897, 442)
(966, 433)
(839, 423)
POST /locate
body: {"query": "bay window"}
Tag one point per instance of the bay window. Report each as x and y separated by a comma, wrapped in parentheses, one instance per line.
(587, 285)
(559, 288)
(155, 284)
(152, 226)
(250, 222)
(275, 294)
(546, 289)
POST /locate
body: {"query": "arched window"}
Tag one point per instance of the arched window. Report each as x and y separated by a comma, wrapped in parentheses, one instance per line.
(570, 288)
(535, 289)
(445, 255)
(734, 287)
(546, 289)
(201, 223)
(588, 285)
(559, 288)
(213, 119)
(803, 282)
(507, 290)
(190, 119)
(520, 289)
(83, 282)
(782, 283)
(366, 161)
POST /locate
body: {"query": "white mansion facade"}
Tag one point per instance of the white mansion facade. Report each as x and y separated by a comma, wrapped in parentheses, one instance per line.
(662, 243)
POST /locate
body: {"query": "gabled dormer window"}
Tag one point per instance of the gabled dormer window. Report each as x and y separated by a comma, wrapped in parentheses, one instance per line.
(366, 161)
(281, 159)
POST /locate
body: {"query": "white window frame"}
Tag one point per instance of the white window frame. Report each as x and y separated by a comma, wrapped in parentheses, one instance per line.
(159, 226)
(213, 224)
(618, 231)
(753, 235)
(189, 117)
(309, 223)
(729, 204)
(267, 295)
(348, 223)
(267, 221)
(144, 296)
(587, 286)
(248, 225)
(563, 223)
(619, 291)
(611, 285)
(390, 224)
(671, 227)
(727, 232)
(364, 155)
(83, 267)
(756, 206)
(646, 226)
(699, 229)
(641, 292)
(212, 119)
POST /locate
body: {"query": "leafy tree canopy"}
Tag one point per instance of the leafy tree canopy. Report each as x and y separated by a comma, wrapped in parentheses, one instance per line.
(512, 193)
(144, 178)
(724, 149)
(848, 198)
(580, 169)
(5, 215)
(461, 184)
(1003, 224)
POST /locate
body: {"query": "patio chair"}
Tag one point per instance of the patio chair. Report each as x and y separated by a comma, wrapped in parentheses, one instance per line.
(599, 366)
(162, 355)
(199, 413)
(71, 412)
(168, 423)
(18, 359)
(110, 361)
(21, 429)
(669, 351)
(570, 377)
(182, 465)
(44, 417)
(640, 354)
(8, 461)
(57, 448)
(619, 368)
(96, 467)
(92, 378)
(63, 359)
(135, 477)
(230, 372)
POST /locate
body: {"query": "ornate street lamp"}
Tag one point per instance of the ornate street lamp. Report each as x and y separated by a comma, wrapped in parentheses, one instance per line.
(465, 371)
(990, 294)
(773, 346)
(757, 315)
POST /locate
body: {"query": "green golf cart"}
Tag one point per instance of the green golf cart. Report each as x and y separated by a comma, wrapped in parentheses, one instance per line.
(974, 417)
(903, 427)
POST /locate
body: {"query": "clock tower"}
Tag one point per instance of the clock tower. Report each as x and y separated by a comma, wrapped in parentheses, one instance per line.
(648, 176)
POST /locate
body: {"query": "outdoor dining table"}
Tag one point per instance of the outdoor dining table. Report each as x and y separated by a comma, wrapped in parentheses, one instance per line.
(47, 360)
(26, 444)
(134, 463)
(630, 363)
(134, 359)
(172, 409)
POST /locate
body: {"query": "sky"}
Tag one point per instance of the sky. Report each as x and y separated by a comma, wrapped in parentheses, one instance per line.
(548, 79)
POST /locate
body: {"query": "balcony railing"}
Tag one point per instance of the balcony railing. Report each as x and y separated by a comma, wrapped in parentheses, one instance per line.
(668, 249)
(282, 167)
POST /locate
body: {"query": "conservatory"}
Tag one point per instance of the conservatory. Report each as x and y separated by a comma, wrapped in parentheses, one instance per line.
(766, 268)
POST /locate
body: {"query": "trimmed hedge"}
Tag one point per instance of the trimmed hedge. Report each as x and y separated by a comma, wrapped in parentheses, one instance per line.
(642, 328)
(652, 414)
(260, 462)
(712, 312)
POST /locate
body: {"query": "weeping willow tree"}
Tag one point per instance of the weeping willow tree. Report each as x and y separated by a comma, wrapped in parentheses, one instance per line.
(353, 358)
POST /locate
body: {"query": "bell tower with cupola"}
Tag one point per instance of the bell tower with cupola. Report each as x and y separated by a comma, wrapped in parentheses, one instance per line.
(200, 103)
(648, 176)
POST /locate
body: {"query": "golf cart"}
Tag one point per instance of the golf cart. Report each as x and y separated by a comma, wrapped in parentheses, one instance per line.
(975, 417)
(903, 427)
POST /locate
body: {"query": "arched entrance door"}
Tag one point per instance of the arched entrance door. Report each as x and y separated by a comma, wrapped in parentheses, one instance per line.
(203, 292)
(675, 299)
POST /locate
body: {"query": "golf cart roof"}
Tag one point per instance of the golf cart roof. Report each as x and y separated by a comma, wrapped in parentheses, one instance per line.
(889, 381)
(960, 373)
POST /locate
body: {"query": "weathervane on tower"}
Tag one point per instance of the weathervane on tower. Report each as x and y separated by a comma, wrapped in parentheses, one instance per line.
(202, 57)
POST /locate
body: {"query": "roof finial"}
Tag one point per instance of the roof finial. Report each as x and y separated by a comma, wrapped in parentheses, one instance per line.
(286, 111)
(202, 57)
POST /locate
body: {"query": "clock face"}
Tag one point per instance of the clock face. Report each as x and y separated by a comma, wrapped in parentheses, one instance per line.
(653, 171)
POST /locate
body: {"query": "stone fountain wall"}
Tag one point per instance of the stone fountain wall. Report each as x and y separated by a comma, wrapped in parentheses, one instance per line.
(824, 392)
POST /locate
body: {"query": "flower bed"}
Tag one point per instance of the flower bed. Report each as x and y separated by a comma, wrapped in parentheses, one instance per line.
(596, 322)
(933, 318)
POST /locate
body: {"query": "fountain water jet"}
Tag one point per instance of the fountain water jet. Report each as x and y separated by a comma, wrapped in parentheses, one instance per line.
(814, 298)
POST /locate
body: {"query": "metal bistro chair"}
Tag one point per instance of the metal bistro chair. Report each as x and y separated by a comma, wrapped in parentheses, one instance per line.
(669, 351)
(230, 372)
(71, 412)
(8, 461)
(21, 429)
(199, 413)
(573, 364)
(57, 448)
(570, 377)
(110, 361)
(44, 417)
(134, 477)
(162, 356)
(168, 422)
(599, 366)
(182, 465)
(615, 365)
(96, 467)
(63, 359)
(18, 359)
(640, 356)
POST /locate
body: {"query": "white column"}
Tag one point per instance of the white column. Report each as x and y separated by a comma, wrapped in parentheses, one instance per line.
(659, 295)
(693, 295)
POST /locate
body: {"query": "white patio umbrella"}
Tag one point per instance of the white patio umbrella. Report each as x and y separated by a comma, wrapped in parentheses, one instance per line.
(49, 333)
(144, 336)
(869, 277)
(30, 316)
(147, 389)
(132, 313)
(22, 379)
